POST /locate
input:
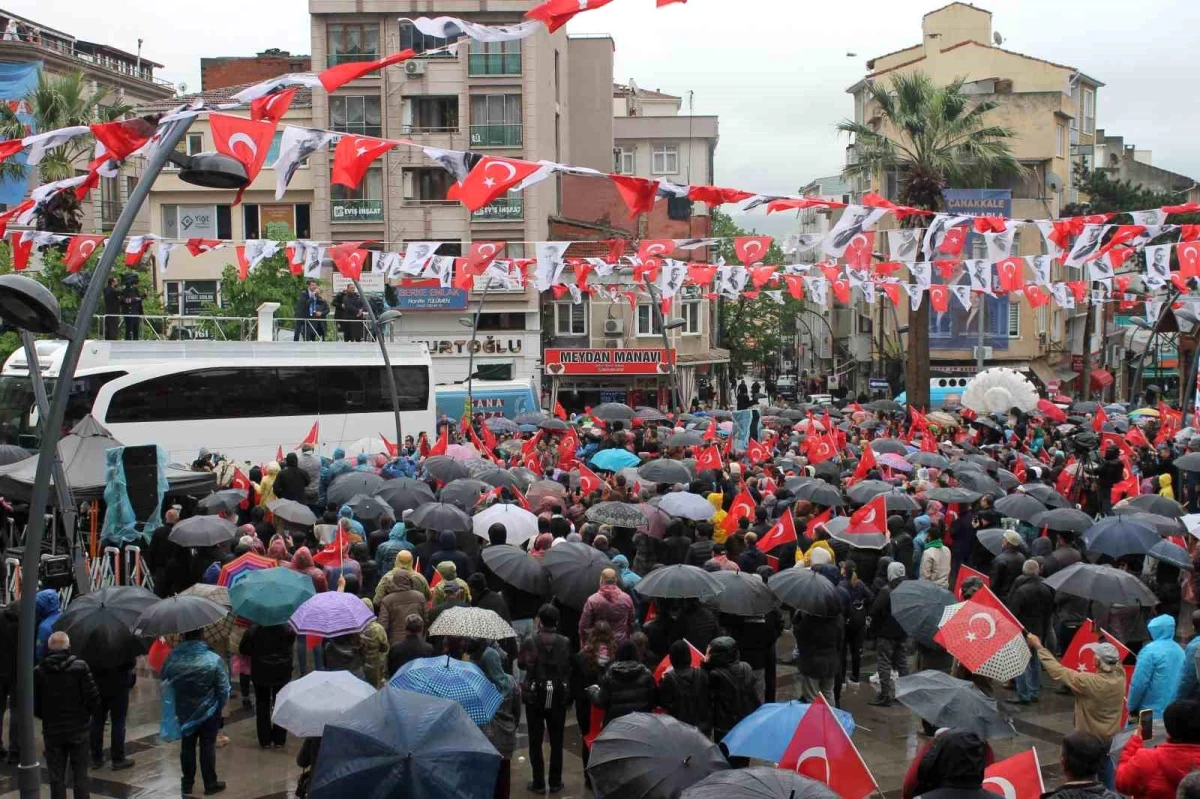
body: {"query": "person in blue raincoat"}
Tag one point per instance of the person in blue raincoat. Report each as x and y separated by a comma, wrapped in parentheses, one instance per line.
(397, 542)
(48, 608)
(1159, 670)
(627, 577)
(402, 466)
(195, 688)
(346, 513)
(339, 465)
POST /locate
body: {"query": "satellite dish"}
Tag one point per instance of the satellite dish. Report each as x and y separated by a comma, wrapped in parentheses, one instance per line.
(1054, 183)
(997, 38)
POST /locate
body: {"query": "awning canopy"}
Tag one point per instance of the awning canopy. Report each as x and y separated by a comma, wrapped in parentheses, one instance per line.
(1101, 378)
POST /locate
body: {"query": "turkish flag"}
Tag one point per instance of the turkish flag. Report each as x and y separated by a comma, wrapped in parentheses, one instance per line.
(715, 195)
(710, 432)
(821, 750)
(22, 246)
(354, 156)
(1086, 639)
(821, 450)
(865, 464)
(953, 241)
(198, 247)
(272, 107)
(589, 481)
(751, 249)
(349, 259)
(392, 449)
(338, 76)
(701, 274)
(483, 253)
(665, 666)
(531, 444)
(279, 454)
(870, 518)
(79, 250)
(964, 572)
(1012, 274)
(795, 286)
(978, 630)
(556, 13)
(313, 434)
(709, 458)
(939, 298)
(1099, 419)
(816, 521)
(242, 482)
(123, 138)
(653, 248)
(1136, 438)
(860, 250)
(488, 179)
(1019, 471)
(841, 290)
(743, 506)
(759, 275)
(16, 210)
(1017, 777)
(489, 438)
(443, 441)
(757, 452)
(892, 290)
(568, 445)
(244, 140)
(1128, 486)
(782, 532)
(1036, 296)
(638, 193)
(1188, 253)
(1065, 479)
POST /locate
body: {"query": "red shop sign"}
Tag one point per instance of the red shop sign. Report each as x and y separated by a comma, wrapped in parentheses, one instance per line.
(608, 362)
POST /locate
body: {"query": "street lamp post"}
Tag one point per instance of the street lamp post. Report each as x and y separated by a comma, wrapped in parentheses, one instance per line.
(1153, 326)
(473, 323)
(664, 324)
(377, 325)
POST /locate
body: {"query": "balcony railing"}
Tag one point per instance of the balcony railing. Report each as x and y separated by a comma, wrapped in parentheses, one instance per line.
(494, 64)
(505, 209)
(495, 135)
(356, 210)
(333, 59)
(35, 39)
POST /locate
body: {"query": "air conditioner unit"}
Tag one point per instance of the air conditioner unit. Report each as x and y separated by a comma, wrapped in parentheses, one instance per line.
(414, 68)
(614, 327)
(613, 343)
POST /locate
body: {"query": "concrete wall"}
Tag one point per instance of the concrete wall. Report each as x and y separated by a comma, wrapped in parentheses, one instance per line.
(590, 69)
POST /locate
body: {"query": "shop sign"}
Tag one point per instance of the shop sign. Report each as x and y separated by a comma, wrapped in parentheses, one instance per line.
(483, 345)
(608, 362)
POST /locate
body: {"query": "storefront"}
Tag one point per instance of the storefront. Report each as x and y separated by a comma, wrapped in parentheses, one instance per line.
(582, 378)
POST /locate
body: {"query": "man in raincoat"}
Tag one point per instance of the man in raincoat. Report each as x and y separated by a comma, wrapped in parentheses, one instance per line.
(195, 687)
(1159, 670)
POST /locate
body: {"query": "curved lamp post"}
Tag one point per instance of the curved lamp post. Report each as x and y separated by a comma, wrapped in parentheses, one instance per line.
(377, 325)
(1153, 326)
(473, 323)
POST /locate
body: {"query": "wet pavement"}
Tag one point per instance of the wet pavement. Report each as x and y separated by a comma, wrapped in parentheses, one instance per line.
(887, 738)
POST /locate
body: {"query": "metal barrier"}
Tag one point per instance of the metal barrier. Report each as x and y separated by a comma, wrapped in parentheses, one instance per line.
(229, 328)
(12, 579)
(105, 571)
(136, 572)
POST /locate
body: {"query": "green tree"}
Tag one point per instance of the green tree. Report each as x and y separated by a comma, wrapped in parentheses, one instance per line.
(271, 281)
(59, 102)
(933, 136)
(1106, 195)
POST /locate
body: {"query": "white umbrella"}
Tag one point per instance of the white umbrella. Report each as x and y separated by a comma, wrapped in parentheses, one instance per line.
(520, 524)
(306, 705)
(472, 623)
(367, 446)
(687, 506)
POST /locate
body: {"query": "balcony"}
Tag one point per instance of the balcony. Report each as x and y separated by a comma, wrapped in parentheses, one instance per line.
(333, 59)
(493, 64)
(46, 42)
(506, 209)
(356, 210)
(496, 135)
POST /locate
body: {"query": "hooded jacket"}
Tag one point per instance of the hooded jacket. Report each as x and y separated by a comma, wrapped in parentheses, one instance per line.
(397, 542)
(1099, 696)
(48, 610)
(1159, 669)
(1164, 486)
(684, 694)
(404, 563)
(345, 512)
(883, 623)
(627, 577)
(64, 695)
(955, 764)
(1155, 773)
(270, 652)
(609, 604)
(731, 687)
(302, 562)
(375, 650)
(399, 600)
(449, 551)
(310, 464)
(627, 687)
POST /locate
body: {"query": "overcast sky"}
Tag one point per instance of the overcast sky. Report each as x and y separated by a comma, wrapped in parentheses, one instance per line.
(774, 71)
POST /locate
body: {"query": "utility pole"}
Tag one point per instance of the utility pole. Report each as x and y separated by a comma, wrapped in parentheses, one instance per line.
(1085, 390)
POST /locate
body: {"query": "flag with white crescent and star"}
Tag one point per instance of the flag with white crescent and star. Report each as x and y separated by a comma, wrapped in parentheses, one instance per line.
(821, 750)
(1017, 777)
(246, 141)
(273, 106)
(354, 156)
(1086, 639)
(79, 250)
(489, 179)
(984, 636)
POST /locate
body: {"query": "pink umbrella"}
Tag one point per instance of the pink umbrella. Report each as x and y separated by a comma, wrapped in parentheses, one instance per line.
(461, 452)
(656, 527)
(894, 461)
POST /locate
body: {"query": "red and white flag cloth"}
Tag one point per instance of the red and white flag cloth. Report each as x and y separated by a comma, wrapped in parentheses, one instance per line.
(1017, 777)
(665, 666)
(123, 138)
(865, 464)
(41, 143)
(244, 140)
(965, 572)
(272, 107)
(782, 532)
(709, 458)
(984, 636)
(354, 156)
(742, 508)
(1080, 655)
(79, 250)
(314, 434)
(136, 247)
(589, 481)
(489, 179)
(821, 750)
(556, 13)
(338, 76)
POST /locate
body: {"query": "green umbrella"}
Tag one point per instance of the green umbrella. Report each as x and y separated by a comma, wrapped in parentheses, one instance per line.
(270, 596)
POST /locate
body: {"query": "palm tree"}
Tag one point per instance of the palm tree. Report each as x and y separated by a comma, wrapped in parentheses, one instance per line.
(934, 137)
(59, 102)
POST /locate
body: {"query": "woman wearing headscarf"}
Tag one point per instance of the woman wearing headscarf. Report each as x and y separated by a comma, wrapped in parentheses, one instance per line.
(501, 731)
(587, 668)
(541, 545)
(278, 551)
(266, 489)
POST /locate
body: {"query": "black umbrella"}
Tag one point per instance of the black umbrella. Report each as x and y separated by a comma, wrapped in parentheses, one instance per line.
(444, 468)
(618, 514)
(898, 500)
(1172, 553)
(368, 507)
(991, 539)
(839, 529)
(686, 438)
(523, 572)
(1046, 495)
(530, 418)
(1083, 406)
(917, 606)
(501, 478)
(821, 493)
(1189, 462)
(803, 589)
(650, 756)
(225, 500)
(292, 512)
(1153, 503)
(440, 517)
(478, 467)
(893, 445)
(944, 701)
(498, 424)
(678, 582)
(829, 471)
(663, 470)
(553, 424)
(178, 614)
(574, 570)
(613, 412)
(1066, 520)
(981, 483)
(930, 459)
(743, 594)
(1008, 481)
(647, 414)
(464, 493)
(405, 493)
(761, 782)
(10, 453)
(348, 485)
(100, 625)
(1102, 584)
(525, 477)
(1163, 525)
(202, 531)
(988, 424)
(794, 484)
(1020, 506)
(867, 490)
(1119, 535)
(885, 405)
(957, 495)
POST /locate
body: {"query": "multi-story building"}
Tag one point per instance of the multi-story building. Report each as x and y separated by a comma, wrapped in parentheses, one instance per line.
(506, 99)
(221, 71)
(125, 78)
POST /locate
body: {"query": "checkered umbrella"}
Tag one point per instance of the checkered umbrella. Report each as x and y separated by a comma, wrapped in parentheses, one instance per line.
(242, 565)
(330, 615)
(458, 680)
(472, 623)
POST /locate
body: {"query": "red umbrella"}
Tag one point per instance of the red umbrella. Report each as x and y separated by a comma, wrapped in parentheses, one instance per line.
(1062, 399)
(1051, 411)
(250, 561)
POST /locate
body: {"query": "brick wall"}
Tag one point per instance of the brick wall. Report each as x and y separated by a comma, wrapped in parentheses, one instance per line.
(216, 73)
(596, 201)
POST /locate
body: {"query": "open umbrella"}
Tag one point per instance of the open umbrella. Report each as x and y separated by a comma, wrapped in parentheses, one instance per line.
(1153, 503)
(743, 594)
(893, 446)
(444, 468)
(402, 744)
(515, 568)
(664, 470)
(613, 411)
(650, 756)
(930, 459)
(330, 615)
(405, 493)
(898, 500)
(1046, 495)
(179, 614)
(1162, 525)
(614, 460)
(981, 483)
(687, 438)
(541, 489)
(1102, 584)
(657, 521)
(462, 452)
(10, 453)
(574, 570)
(802, 589)
(1189, 462)
(839, 529)
(867, 490)
(292, 512)
(1118, 535)
(202, 531)
(884, 405)
(687, 505)
(1172, 553)
(820, 493)
(618, 514)
(303, 707)
(100, 625)
(1020, 506)
(225, 500)
(449, 678)
(467, 622)
(766, 733)
(369, 507)
(956, 495)
(464, 493)
(519, 524)
(991, 539)
(648, 414)
(440, 516)
(678, 582)
(760, 782)
(1065, 520)
(896, 462)
(531, 417)
(242, 565)
(500, 425)
(270, 596)
(944, 701)
(348, 485)
(917, 606)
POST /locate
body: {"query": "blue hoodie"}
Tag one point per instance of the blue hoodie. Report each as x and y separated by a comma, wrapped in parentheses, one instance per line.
(921, 524)
(628, 578)
(1159, 670)
(48, 610)
(345, 513)
(363, 464)
(397, 542)
(1189, 686)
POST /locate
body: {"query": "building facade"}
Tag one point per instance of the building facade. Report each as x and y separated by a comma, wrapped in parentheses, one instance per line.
(221, 71)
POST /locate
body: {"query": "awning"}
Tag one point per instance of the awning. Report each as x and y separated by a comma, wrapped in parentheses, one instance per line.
(1043, 372)
(1101, 378)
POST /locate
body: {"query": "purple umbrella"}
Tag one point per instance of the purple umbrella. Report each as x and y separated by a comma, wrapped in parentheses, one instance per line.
(896, 462)
(331, 614)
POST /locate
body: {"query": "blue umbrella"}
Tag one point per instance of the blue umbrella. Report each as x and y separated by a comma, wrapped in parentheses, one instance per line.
(270, 596)
(1118, 535)
(766, 733)
(614, 460)
(453, 679)
(400, 744)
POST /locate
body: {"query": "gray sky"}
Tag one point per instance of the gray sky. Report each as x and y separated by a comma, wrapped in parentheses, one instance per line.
(774, 71)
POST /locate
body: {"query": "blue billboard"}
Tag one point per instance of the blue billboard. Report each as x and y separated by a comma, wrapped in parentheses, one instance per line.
(958, 327)
(489, 400)
(429, 296)
(16, 82)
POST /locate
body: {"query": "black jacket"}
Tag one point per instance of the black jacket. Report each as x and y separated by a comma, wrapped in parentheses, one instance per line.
(696, 623)
(731, 686)
(493, 601)
(903, 551)
(270, 652)
(1081, 790)
(65, 696)
(1006, 568)
(410, 647)
(1032, 602)
(883, 623)
(1061, 558)
(700, 552)
(627, 687)
(822, 644)
(755, 636)
(684, 694)
(290, 483)
(546, 657)
(8, 644)
(674, 550)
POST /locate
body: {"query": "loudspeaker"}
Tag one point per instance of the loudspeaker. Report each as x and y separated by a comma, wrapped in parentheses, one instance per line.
(57, 571)
(141, 479)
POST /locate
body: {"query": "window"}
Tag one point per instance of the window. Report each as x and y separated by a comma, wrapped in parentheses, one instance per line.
(356, 114)
(623, 160)
(258, 221)
(647, 321)
(664, 159)
(197, 222)
(427, 185)
(411, 38)
(1060, 140)
(352, 42)
(1014, 319)
(495, 120)
(692, 318)
(570, 319)
(190, 145)
(1089, 110)
(502, 321)
(361, 204)
(509, 207)
(110, 202)
(430, 114)
(494, 58)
